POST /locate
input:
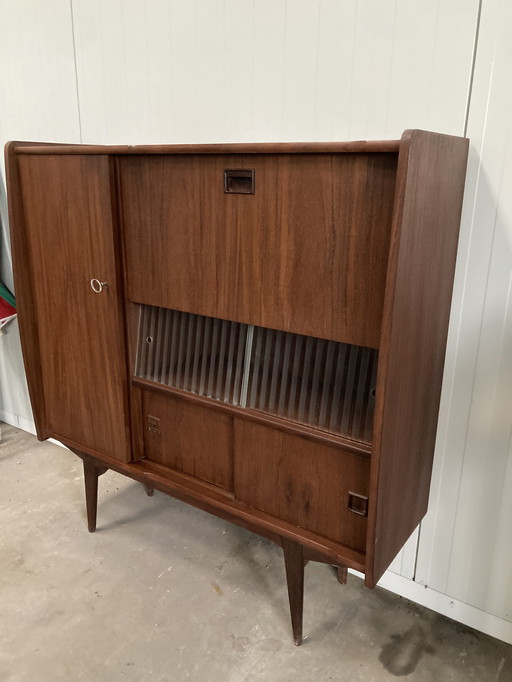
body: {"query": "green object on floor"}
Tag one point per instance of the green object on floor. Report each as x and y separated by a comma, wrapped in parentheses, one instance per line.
(6, 295)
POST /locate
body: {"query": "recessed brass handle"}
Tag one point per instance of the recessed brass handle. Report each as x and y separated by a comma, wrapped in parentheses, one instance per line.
(98, 286)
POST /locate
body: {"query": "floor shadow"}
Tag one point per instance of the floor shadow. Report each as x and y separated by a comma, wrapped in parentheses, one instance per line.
(402, 654)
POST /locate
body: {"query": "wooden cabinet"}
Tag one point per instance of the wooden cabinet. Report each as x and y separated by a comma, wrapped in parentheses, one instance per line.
(258, 330)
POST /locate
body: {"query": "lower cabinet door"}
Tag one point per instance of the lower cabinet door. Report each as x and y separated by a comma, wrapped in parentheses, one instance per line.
(188, 437)
(317, 487)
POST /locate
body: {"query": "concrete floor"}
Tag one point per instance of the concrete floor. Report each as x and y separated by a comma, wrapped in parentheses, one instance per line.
(164, 592)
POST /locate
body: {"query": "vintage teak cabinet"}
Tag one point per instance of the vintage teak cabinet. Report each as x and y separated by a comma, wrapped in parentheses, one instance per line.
(256, 329)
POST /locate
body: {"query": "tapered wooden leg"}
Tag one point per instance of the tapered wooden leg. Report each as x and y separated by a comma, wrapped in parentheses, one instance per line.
(149, 490)
(342, 574)
(294, 564)
(92, 471)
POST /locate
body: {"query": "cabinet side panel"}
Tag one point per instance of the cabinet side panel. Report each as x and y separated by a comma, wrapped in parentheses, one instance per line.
(70, 236)
(25, 291)
(302, 254)
(428, 203)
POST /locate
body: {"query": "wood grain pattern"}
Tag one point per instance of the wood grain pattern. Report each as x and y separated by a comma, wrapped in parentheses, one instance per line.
(191, 438)
(426, 221)
(70, 239)
(304, 483)
(357, 146)
(303, 254)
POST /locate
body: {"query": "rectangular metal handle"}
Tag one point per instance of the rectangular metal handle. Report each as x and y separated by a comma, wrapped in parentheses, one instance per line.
(153, 424)
(358, 504)
(239, 181)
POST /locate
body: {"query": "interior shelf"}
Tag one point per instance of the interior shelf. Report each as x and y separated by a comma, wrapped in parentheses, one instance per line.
(325, 384)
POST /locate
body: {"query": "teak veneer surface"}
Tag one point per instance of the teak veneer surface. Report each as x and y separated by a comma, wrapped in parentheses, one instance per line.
(307, 484)
(370, 146)
(428, 204)
(190, 438)
(303, 254)
(68, 216)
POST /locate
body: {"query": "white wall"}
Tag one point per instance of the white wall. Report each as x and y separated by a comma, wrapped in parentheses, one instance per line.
(237, 70)
(466, 548)
(163, 71)
(38, 101)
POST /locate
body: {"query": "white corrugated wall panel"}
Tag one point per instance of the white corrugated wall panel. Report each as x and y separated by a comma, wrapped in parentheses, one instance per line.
(240, 70)
(38, 101)
(465, 549)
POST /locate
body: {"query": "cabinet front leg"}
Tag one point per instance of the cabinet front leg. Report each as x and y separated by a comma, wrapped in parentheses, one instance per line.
(92, 470)
(294, 564)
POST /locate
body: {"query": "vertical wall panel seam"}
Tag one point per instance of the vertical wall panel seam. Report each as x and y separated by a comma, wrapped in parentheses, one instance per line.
(466, 119)
(225, 117)
(283, 127)
(449, 388)
(416, 554)
(150, 105)
(457, 342)
(390, 70)
(352, 76)
(488, 274)
(317, 59)
(253, 65)
(501, 494)
(76, 70)
(473, 66)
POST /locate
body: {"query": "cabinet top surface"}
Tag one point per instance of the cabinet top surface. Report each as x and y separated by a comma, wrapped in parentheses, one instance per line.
(361, 146)
(357, 146)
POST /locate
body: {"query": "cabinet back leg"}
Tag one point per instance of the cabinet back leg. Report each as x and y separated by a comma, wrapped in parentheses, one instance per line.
(294, 564)
(342, 574)
(150, 491)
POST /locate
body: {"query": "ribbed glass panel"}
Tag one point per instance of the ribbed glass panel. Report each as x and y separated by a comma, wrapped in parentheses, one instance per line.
(322, 383)
(191, 352)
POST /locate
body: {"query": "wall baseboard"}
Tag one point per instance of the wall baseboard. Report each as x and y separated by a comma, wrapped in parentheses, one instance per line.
(20, 422)
(404, 587)
(475, 618)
